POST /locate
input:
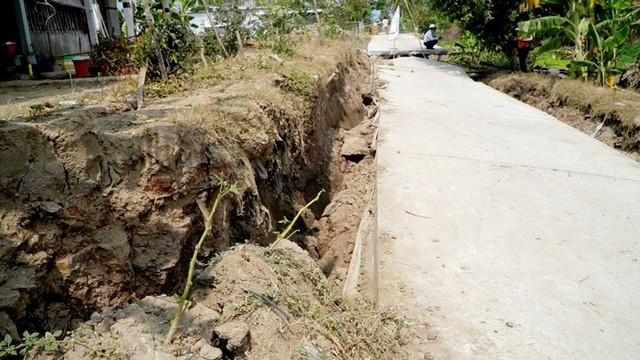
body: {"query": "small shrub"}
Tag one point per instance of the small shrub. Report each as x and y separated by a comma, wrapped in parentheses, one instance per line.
(299, 83)
(472, 52)
(112, 55)
(178, 44)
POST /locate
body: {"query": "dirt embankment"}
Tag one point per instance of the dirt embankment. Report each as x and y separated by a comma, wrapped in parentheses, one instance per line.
(98, 203)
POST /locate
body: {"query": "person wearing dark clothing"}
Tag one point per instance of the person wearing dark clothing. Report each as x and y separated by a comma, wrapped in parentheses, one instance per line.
(523, 47)
(430, 40)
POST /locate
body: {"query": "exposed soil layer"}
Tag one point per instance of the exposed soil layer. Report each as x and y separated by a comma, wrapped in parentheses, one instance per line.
(252, 303)
(98, 202)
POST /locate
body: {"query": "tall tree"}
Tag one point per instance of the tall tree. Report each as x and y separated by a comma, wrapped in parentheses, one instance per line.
(491, 21)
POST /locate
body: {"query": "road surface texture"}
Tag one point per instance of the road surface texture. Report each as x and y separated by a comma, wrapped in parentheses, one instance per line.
(505, 233)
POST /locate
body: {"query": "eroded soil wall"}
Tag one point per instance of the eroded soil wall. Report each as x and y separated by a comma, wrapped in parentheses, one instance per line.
(99, 205)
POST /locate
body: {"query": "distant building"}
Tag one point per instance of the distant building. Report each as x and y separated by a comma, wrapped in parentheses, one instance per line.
(56, 27)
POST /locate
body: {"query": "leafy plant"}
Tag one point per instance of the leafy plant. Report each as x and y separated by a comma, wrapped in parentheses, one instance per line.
(178, 44)
(183, 301)
(489, 20)
(595, 31)
(29, 341)
(299, 82)
(282, 19)
(104, 351)
(354, 10)
(230, 14)
(470, 51)
(552, 59)
(6, 347)
(112, 55)
(629, 53)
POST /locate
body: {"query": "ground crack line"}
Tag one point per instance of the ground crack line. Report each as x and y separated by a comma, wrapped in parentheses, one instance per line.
(524, 166)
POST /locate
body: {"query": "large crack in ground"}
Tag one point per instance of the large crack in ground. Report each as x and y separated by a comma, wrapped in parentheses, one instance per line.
(108, 213)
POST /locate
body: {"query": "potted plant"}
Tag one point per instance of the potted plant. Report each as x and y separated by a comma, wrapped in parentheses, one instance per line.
(112, 55)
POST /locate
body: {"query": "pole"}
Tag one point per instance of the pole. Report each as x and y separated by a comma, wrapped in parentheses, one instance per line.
(128, 18)
(25, 36)
(166, 9)
(113, 22)
(91, 22)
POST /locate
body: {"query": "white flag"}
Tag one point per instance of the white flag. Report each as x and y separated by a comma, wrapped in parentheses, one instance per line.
(394, 30)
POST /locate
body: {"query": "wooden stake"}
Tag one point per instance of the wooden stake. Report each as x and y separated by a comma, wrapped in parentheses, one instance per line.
(202, 56)
(353, 275)
(213, 25)
(142, 75)
(240, 47)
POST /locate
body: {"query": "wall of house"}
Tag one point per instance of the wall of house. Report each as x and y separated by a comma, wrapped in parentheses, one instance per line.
(57, 30)
(109, 10)
(60, 44)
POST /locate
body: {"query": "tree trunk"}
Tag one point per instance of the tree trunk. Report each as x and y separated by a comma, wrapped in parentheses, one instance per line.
(315, 9)
(213, 25)
(156, 44)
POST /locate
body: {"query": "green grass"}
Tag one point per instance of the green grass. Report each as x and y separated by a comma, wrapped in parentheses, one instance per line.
(552, 59)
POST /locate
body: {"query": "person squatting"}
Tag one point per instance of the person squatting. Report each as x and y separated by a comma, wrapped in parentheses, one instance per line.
(430, 39)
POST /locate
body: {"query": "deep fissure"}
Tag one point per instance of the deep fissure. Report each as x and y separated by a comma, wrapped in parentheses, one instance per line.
(109, 250)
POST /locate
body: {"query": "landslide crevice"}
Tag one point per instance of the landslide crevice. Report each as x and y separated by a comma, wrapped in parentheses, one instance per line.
(106, 213)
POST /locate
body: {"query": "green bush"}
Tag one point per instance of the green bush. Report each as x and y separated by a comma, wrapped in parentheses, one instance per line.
(629, 53)
(468, 50)
(557, 59)
(178, 44)
(112, 55)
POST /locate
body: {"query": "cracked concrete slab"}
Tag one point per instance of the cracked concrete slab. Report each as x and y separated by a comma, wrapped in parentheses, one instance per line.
(505, 233)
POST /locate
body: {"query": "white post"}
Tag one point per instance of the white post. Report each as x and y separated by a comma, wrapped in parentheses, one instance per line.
(165, 8)
(113, 21)
(128, 18)
(91, 22)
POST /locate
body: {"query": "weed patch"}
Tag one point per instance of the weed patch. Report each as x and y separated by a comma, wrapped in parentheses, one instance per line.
(354, 328)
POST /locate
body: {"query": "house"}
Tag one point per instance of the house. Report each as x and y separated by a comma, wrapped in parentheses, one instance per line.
(34, 29)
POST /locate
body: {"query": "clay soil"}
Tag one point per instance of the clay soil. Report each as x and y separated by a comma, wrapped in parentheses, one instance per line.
(99, 210)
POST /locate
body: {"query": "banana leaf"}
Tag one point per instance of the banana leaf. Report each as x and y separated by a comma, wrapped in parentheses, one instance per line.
(542, 25)
(618, 38)
(550, 44)
(595, 36)
(619, 22)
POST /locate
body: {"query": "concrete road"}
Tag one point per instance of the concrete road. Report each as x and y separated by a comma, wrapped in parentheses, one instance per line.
(405, 44)
(508, 234)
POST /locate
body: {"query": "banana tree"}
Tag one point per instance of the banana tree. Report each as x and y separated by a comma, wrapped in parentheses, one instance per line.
(603, 59)
(560, 30)
(593, 30)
